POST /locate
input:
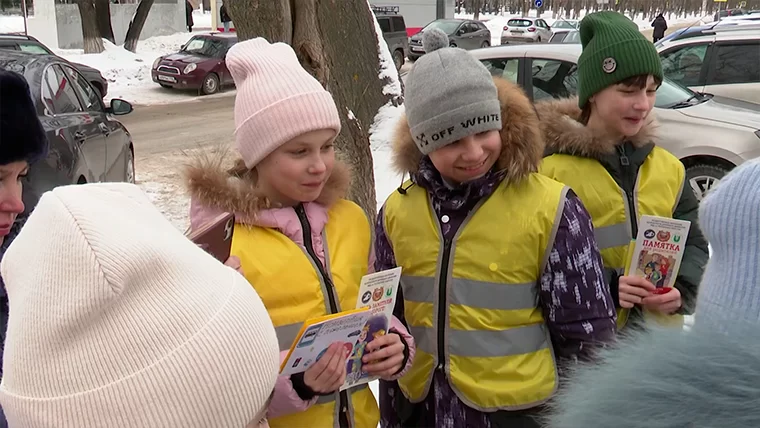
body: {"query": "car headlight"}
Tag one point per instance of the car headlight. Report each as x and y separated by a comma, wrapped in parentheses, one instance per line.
(189, 69)
(156, 62)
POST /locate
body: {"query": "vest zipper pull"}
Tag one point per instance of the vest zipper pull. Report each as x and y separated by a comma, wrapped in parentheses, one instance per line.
(624, 161)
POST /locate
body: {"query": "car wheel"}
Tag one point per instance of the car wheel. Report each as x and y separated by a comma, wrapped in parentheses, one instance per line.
(485, 45)
(398, 59)
(452, 45)
(703, 177)
(163, 85)
(539, 39)
(130, 167)
(210, 84)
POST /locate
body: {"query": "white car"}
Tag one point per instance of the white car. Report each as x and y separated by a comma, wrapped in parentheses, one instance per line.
(566, 24)
(526, 30)
(710, 134)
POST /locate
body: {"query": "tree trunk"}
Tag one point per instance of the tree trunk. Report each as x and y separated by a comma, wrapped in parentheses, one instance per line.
(90, 34)
(338, 46)
(103, 12)
(136, 25)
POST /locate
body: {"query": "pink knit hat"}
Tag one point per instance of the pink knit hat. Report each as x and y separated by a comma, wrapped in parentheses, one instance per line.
(277, 100)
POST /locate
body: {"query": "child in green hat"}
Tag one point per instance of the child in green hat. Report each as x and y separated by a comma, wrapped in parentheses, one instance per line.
(602, 144)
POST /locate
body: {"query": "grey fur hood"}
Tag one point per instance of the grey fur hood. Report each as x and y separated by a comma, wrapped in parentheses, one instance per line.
(668, 379)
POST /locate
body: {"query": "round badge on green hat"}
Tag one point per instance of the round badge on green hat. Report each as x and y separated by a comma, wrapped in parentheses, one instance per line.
(613, 50)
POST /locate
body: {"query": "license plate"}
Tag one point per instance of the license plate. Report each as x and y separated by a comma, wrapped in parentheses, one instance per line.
(517, 31)
(167, 78)
(417, 50)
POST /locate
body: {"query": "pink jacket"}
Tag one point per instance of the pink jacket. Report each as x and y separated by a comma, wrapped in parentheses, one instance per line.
(285, 400)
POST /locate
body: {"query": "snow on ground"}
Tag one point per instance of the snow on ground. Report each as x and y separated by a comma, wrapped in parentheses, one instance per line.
(11, 24)
(128, 73)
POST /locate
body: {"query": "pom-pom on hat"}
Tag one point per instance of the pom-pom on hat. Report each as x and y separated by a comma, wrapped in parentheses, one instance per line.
(22, 137)
(449, 95)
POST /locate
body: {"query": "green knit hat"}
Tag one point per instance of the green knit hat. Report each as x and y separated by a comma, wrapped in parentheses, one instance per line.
(613, 50)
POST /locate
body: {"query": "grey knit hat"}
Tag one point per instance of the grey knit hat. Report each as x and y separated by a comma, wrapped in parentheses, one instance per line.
(449, 95)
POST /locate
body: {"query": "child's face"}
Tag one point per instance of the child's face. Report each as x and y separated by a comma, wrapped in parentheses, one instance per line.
(469, 158)
(298, 170)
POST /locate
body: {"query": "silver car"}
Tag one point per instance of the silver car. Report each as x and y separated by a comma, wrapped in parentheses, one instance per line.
(464, 33)
(522, 30)
(710, 134)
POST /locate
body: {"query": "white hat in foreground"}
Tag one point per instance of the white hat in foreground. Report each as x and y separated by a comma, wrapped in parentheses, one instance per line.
(118, 320)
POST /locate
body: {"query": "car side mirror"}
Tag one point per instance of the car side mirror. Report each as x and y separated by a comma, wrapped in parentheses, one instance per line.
(120, 107)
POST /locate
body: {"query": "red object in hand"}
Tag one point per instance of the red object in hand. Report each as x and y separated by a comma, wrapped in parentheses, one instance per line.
(662, 290)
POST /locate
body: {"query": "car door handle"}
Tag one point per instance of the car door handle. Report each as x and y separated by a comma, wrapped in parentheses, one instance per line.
(80, 137)
(104, 128)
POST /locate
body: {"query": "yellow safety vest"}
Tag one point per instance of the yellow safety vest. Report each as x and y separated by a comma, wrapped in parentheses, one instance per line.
(495, 345)
(292, 289)
(658, 188)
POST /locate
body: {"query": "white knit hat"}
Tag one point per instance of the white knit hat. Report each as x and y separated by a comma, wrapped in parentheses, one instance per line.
(118, 320)
(276, 101)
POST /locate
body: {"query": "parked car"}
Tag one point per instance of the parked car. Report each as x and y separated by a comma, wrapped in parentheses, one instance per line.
(394, 32)
(463, 33)
(559, 36)
(522, 30)
(711, 135)
(708, 29)
(723, 63)
(24, 43)
(571, 24)
(198, 65)
(86, 143)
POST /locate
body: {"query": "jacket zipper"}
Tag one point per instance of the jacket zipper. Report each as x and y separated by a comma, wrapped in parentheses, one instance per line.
(330, 288)
(628, 188)
(442, 302)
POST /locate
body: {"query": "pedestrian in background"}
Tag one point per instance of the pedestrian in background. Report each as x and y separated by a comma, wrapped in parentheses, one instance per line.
(502, 284)
(189, 16)
(22, 142)
(299, 242)
(118, 320)
(602, 144)
(660, 26)
(224, 16)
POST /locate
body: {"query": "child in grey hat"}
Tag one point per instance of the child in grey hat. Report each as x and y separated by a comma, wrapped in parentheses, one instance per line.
(500, 265)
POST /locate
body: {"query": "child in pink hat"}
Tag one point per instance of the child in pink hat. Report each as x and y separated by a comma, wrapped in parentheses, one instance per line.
(300, 243)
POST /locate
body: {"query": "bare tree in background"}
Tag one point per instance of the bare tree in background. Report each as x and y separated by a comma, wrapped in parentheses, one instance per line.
(339, 46)
(103, 13)
(136, 25)
(93, 43)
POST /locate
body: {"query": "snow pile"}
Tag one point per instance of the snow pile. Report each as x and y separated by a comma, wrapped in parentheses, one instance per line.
(12, 23)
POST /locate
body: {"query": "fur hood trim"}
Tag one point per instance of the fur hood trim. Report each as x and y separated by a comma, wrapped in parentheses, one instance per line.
(212, 185)
(564, 133)
(522, 145)
(668, 378)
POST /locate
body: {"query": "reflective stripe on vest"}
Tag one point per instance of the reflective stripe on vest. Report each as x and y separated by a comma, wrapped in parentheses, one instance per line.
(657, 191)
(497, 350)
(288, 282)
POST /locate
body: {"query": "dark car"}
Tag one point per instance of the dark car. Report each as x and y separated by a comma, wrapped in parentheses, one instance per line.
(394, 32)
(463, 33)
(24, 43)
(709, 29)
(86, 143)
(198, 65)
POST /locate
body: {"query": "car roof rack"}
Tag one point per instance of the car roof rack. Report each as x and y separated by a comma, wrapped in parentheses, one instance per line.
(389, 10)
(729, 28)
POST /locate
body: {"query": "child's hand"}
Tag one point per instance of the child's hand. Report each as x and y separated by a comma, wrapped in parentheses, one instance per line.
(234, 263)
(384, 356)
(632, 290)
(329, 373)
(667, 303)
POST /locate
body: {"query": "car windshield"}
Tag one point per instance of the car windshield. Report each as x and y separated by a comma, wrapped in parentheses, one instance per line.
(519, 23)
(204, 46)
(447, 27)
(563, 24)
(670, 94)
(572, 37)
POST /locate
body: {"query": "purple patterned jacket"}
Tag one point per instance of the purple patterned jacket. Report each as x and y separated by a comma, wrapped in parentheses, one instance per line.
(575, 299)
